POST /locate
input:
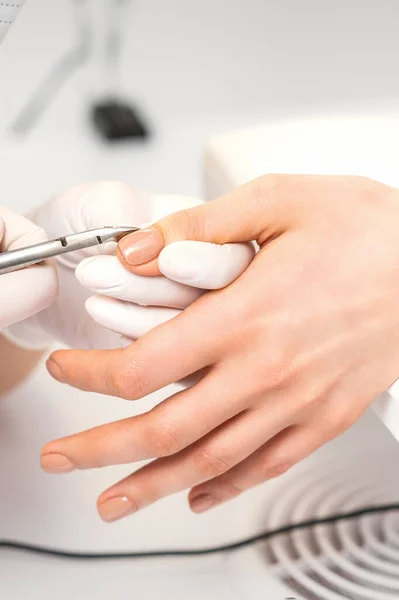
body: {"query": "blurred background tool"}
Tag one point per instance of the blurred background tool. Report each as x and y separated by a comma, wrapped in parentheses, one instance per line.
(99, 36)
(112, 115)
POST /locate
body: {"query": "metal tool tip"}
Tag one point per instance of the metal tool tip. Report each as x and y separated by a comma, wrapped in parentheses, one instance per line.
(116, 233)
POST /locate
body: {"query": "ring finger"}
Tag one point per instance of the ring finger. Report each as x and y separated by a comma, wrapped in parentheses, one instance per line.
(210, 457)
(271, 460)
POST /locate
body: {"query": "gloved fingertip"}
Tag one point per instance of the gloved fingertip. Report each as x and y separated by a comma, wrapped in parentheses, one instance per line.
(83, 268)
(94, 306)
(44, 277)
(183, 262)
(100, 273)
(203, 264)
(104, 311)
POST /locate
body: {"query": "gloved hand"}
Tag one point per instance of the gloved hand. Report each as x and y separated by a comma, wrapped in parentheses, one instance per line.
(126, 308)
(23, 293)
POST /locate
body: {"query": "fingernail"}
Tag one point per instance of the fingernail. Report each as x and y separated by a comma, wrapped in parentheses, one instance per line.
(202, 503)
(56, 463)
(141, 246)
(116, 508)
(54, 370)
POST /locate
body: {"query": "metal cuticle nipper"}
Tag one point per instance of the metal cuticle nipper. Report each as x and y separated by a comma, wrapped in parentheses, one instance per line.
(15, 260)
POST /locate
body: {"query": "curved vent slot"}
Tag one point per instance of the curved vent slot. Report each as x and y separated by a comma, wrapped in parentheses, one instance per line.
(351, 560)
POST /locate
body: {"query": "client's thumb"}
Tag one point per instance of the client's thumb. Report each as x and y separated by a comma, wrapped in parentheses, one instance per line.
(240, 216)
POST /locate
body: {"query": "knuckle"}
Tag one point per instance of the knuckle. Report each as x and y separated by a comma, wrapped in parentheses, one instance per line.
(231, 489)
(365, 184)
(186, 224)
(208, 465)
(129, 381)
(118, 383)
(262, 186)
(309, 403)
(276, 181)
(366, 189)
(339, 422)
(280, 370)
(163, 441)
(270, 374)
(191, 223)
(311, 400)
(276, 377)
(259, 188)
(272, 467)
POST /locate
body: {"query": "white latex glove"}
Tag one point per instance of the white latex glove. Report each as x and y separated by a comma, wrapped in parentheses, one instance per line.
(23, 293)
(95, 205)
(137, 304)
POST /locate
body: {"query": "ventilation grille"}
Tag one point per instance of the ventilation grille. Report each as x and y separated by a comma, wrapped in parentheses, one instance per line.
(353, 560)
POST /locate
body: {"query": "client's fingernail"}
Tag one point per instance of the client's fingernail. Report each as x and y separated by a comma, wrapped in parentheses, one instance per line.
(54, 370)
(202, 503)
(141, 246)
(56, 463)
(115, 508)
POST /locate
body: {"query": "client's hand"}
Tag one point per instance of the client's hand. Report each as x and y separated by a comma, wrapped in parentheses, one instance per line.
(294, 350)
(123, 308)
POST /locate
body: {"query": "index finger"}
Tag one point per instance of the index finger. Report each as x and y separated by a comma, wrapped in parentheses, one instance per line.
(166, 354)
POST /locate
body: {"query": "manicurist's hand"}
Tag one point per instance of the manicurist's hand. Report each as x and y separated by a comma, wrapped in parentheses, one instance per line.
(293, 351)
(99, 301)
(26, 292)
(23, 294)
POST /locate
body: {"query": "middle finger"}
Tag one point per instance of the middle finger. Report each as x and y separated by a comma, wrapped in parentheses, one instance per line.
(212, 456)
(168, 428)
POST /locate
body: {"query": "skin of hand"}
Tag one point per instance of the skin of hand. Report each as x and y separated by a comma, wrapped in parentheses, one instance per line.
(22, 294)
(16, 364)
(125, 303)
(294, 350)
